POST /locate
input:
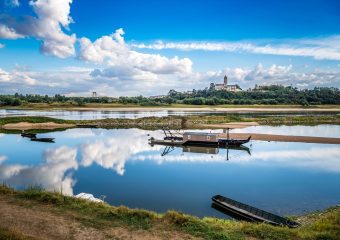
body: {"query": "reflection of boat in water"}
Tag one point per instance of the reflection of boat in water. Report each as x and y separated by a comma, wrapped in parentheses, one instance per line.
(28, 135)
(51, 140)
(243, 211)
(33, 137)
(212, 150)
(204, 150)
(198, 139)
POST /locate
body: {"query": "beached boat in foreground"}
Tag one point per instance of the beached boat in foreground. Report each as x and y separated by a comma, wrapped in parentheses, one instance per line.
(251, 213)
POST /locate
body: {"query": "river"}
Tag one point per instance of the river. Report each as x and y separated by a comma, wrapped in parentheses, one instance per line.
(284, 178)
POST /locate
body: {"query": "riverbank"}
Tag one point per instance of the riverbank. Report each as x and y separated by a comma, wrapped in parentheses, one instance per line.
(41, 124)
(178, 107)
(175, 122)
(37, 214)
(178, 122)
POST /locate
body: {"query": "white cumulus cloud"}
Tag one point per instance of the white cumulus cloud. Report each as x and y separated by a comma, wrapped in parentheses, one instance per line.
(318, 48)
(112, 51)
(9, 33)
(52, 16)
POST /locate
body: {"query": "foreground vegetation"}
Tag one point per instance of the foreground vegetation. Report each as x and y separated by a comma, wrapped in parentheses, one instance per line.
(188, 122)
(319, 225)
(267, 95)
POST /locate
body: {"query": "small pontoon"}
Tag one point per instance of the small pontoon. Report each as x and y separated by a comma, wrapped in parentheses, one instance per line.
(211, 139)
(197, 139)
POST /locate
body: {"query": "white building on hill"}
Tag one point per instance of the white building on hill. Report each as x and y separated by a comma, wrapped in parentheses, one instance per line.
(225, 86)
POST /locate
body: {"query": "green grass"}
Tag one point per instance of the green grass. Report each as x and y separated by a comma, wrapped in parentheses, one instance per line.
(321, 225)
(7, 234)
(30, 119)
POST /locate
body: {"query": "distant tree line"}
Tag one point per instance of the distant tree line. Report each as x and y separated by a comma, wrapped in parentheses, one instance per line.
(19, 99)
(266, 95)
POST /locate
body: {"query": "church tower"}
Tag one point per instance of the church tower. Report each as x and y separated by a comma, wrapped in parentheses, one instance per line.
(225, 80)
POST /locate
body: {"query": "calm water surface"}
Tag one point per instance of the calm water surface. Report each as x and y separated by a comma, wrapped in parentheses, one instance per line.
(284, 178)
(100, 114)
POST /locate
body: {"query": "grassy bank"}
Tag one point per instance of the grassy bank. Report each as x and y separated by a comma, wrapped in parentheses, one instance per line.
(103, 217)
(29, 119)
(188, 122)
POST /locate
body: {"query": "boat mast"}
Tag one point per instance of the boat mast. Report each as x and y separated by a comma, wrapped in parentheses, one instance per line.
(165, 132)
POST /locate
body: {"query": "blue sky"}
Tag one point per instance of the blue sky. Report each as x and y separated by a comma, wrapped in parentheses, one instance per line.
(148, 47)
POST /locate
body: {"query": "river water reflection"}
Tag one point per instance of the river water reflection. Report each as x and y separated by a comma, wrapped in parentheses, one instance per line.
(284, 178)
(102, 114)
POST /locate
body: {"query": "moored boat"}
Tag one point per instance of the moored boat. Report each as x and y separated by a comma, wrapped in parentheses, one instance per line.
(250, 213)
(233, 142)
(211, 139)
(203, 139)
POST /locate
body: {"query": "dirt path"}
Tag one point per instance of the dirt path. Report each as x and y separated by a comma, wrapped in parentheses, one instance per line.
(282, 138)
(41, 221)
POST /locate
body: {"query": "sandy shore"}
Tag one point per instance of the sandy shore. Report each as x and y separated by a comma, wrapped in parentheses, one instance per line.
(230, 125)
(282, 138)
(27, 126)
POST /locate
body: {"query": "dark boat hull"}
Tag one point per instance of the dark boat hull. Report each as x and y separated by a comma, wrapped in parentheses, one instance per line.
(233, 142)
(220, 143)
(250, 213)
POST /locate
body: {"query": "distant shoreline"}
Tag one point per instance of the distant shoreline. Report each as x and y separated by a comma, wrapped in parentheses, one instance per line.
(190, 122)
(186, 108)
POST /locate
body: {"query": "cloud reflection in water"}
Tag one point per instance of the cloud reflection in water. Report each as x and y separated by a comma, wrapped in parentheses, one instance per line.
(114, 151)
(51, 175)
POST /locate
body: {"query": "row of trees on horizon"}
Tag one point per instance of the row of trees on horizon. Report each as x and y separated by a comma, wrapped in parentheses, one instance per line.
(267, 95)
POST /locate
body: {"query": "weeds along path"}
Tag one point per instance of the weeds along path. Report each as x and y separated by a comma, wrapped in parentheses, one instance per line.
(43, 221)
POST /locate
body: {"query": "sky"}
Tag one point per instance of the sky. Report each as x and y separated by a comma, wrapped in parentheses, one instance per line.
(147, 47)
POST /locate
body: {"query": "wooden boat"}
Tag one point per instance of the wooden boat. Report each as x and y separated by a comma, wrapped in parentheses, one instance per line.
(43, 140)
(223, 142)
(250, 213)
(202, 139)
(29, 135)
(211, 139)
